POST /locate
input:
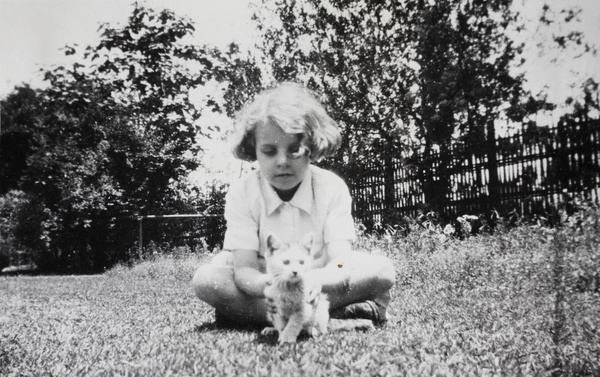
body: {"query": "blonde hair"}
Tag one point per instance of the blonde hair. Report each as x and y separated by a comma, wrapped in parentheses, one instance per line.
(296, 110)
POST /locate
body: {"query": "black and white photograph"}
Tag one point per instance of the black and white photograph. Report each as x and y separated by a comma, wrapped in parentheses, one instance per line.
(299, 188)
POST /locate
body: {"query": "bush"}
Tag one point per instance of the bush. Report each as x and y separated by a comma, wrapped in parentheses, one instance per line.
(12, 252)
(32, 233)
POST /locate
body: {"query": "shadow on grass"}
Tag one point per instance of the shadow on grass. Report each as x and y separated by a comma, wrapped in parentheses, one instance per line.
(271, 339)
(213, 326)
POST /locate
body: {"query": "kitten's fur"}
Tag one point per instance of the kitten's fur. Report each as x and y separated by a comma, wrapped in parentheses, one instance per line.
(288, 292)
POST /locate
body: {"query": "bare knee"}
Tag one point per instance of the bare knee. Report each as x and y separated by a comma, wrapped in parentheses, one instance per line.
(205, 284)
(215, 285)
(211, 279)
(199, 281)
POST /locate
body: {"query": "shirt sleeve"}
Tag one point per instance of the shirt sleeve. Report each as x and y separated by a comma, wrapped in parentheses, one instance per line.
(339, 224)
(242, 227)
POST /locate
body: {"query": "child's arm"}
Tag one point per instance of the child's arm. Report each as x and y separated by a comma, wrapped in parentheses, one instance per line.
(246, 274)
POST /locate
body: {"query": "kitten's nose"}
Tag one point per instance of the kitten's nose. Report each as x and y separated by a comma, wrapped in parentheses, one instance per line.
(295, 273)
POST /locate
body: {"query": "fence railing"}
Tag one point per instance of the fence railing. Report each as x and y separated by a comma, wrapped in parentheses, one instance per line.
(191, 236)
(533, 168)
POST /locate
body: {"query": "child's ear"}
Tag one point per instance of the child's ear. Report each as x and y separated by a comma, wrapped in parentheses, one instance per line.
(307, 242)
(273, 243)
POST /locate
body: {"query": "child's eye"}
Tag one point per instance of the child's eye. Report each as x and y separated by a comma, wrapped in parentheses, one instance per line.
(296, 151)
(286, 262)
(269, 152)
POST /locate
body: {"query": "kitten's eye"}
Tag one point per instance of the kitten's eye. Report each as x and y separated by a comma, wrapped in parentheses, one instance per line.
(301, 262)
(286, 262)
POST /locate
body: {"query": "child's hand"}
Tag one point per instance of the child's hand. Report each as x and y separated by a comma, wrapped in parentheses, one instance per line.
(315, 286)
(271, 307)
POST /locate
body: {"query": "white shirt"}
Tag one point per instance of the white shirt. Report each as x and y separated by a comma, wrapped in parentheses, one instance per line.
(321, 205)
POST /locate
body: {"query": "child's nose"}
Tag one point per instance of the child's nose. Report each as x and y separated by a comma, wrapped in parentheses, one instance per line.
(282, 159)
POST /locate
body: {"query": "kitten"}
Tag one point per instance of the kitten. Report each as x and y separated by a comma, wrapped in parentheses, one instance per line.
(288, 292)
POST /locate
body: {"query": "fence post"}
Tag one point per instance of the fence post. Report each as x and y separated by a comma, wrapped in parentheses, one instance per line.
(492, 159)
(389, 189)
(141, 235)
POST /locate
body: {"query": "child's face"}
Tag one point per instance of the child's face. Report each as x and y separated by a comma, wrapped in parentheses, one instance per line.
(281, 156)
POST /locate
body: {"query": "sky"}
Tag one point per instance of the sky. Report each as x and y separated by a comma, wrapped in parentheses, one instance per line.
(32, 33)
(546, 67)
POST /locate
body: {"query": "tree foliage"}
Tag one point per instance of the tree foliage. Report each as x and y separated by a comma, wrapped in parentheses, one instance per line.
(19, 133)
(437, 70)
(110, 138)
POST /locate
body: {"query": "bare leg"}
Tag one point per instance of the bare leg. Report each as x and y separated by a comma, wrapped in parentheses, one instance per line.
(213, 283)
(372, 277)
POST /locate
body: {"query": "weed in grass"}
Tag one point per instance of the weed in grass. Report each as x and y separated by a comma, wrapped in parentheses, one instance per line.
(576, 267)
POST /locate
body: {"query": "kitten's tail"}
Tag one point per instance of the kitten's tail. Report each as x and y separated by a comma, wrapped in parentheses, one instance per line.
(350, 324)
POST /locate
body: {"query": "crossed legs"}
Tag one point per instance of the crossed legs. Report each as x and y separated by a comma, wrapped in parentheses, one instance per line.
(372, 277)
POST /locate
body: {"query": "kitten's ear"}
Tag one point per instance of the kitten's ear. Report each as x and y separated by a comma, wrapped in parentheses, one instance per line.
(307, 242)
(273, 243)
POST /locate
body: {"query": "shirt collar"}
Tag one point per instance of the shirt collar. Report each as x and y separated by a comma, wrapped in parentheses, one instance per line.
(302, 198)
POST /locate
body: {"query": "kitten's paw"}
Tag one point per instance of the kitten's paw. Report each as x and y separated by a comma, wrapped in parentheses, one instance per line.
(268, 331)
(315, 332)
(287, 338)
(322, 329)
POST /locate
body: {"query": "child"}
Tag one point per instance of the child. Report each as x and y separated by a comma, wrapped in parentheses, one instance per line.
(286, 128)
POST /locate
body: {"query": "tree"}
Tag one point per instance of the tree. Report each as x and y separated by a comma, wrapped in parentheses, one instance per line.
(243, 77)
(353, 54)
(19, 133)
(438, 70)
(112, 136)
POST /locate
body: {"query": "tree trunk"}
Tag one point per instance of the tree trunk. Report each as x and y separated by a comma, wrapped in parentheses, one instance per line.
(389, 185)
(492, 166)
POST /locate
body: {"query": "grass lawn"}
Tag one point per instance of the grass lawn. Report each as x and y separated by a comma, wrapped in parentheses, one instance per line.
(523, 302)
